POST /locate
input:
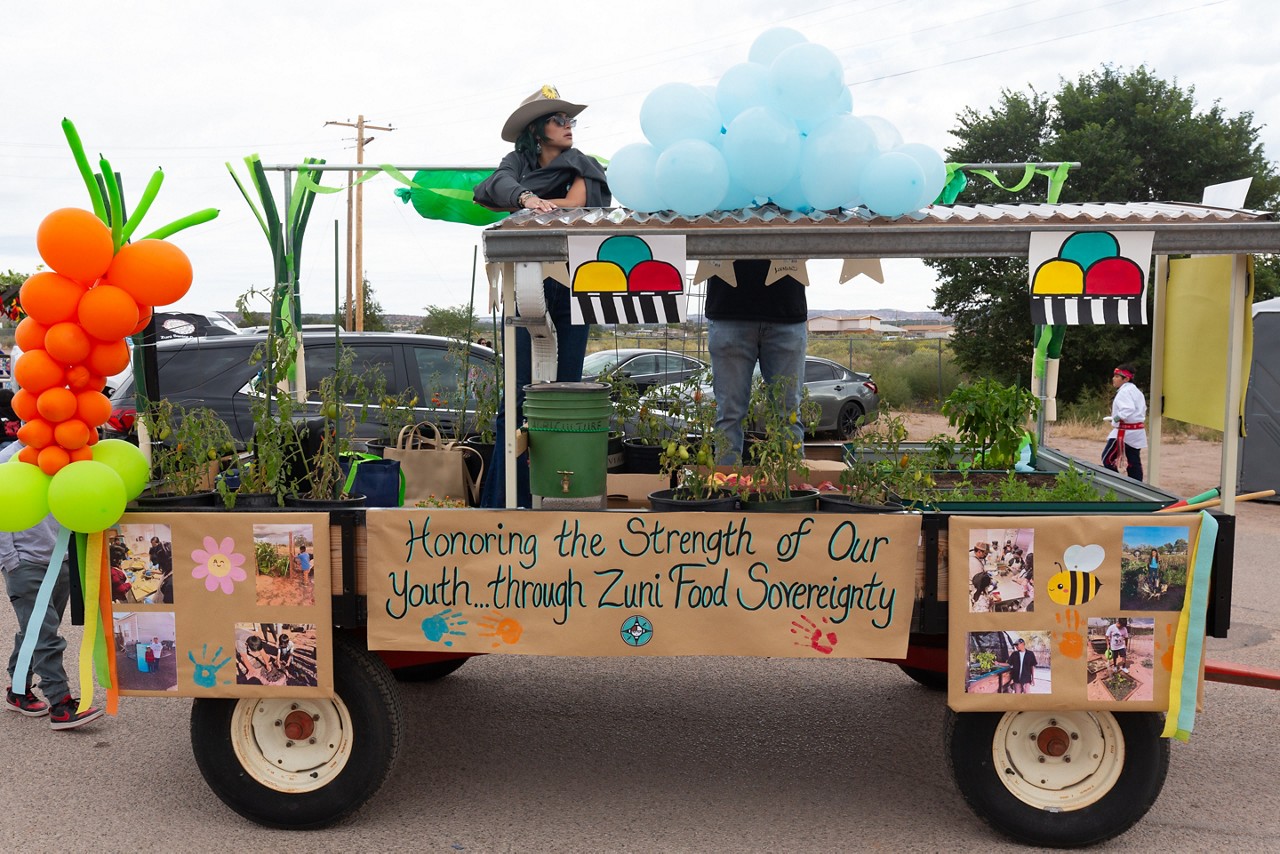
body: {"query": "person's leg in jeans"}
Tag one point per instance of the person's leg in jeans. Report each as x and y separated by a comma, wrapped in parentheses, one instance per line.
(22, 584)
(782, 351)
(734, 346)
(571, 348)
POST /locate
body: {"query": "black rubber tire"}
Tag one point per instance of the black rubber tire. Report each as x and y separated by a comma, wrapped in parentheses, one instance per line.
(428, 672)
(364, 685)
(969, 741)
(848, 421)
(931, 679)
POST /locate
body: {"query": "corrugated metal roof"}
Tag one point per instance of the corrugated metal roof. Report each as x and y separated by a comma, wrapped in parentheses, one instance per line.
(940, 231)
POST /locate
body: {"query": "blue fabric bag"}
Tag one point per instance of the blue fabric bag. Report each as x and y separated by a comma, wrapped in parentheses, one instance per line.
(380, 481)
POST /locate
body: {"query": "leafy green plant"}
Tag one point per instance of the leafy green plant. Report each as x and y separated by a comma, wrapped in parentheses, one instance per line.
(188, 445)
(991, 418)
(983, 662)
(689, 459)
(268, 559)
(778, 456)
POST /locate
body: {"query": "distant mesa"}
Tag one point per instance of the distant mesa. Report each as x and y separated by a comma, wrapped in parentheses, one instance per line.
(625, 264)
(1089, 263)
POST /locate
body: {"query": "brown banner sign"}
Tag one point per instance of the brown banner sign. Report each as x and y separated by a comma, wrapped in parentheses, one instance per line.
(619, 583)
(1066, 612)
(222, 604)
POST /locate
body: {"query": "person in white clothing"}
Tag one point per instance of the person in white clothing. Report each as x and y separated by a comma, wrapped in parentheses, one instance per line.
(1128, 424)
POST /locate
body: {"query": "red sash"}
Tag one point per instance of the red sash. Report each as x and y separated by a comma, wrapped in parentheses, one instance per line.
(1117, 458)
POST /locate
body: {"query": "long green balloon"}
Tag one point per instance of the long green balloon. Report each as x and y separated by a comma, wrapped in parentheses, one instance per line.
(82, 164)
(448, 194)
(179, 224)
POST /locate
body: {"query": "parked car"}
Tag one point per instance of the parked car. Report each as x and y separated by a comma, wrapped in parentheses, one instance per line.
(219, 373)
(847, 398)
(646, 368)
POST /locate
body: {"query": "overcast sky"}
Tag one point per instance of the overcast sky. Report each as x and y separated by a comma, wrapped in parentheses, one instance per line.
(189, 86)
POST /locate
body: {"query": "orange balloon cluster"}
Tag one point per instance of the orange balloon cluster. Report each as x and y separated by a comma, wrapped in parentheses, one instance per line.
(73, 337)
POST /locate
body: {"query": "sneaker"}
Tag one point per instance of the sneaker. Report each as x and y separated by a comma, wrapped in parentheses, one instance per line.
(25, 704)
(64, 714)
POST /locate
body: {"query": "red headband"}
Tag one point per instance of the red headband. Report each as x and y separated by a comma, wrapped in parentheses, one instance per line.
(1126, 374)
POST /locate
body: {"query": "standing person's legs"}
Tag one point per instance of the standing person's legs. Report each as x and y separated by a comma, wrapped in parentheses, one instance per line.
(46, 659)
(783, 347)
(1108, 452)
(1134, 458)
(571, 340)
(734, 346)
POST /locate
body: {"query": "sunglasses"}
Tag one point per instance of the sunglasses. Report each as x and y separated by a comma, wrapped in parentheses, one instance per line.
(562, 120)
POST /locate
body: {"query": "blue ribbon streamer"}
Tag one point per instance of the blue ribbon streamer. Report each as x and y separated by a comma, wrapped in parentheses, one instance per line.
(1195, 626)
(22, 667)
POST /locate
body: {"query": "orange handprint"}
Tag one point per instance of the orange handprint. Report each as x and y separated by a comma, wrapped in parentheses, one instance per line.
(1072, 643)
(813, 636)
(1166, 660)
(505, 629)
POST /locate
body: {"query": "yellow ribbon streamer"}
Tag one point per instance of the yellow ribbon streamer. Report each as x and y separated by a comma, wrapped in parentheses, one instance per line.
(92, 617)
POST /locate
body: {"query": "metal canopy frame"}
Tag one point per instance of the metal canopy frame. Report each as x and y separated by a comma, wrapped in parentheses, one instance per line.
(959, 231)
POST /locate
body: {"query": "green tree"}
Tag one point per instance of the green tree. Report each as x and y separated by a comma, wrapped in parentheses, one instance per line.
(1138, 138)
(451, 322)
(374, 319)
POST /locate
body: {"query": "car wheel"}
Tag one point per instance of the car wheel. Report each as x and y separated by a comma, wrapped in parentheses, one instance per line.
(428, 672)
(848, 421)
(1058, 778)
(301, 764)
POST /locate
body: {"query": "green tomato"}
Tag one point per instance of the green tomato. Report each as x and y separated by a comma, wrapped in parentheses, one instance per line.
(329, 411)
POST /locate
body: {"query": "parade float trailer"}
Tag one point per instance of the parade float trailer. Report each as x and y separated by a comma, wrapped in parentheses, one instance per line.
(301, 743)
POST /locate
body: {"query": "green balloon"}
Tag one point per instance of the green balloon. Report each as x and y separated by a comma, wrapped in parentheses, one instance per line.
(87, 496)
(126, 460)
(26, 496)
(625, 250)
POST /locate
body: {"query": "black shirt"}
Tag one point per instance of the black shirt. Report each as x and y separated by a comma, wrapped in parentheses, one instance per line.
(781, 302)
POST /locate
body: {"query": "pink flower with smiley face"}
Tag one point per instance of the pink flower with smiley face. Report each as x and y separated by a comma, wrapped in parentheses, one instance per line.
(219, 564)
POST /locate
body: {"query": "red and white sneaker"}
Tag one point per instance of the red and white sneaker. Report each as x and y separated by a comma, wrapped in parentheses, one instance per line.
(63, 715)
(25, 704)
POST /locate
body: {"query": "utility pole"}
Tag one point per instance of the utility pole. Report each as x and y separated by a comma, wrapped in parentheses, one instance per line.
(358, 302)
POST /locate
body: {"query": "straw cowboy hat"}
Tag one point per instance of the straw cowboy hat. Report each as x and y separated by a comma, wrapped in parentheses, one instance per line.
(541, 103)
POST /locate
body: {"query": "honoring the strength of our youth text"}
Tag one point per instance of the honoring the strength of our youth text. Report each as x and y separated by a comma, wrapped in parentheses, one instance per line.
(651, 564)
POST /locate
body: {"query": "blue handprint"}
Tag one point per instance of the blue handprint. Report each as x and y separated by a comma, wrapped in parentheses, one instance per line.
(207, 671)
(444, 623)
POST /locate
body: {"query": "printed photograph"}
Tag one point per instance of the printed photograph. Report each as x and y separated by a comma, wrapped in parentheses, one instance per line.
(1001, 570)
(286, 561)
(1009, 663)
(141, 561)
(281, 654)
(1122, 658)
(145, 650)
(1153, 568)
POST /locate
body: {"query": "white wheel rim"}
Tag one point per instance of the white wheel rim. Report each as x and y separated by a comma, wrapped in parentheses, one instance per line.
(292, 745)
(1058, 761)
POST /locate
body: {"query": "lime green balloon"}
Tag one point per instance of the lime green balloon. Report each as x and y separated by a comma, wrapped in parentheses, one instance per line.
(126, 460)
(87, 496)
(26, 496)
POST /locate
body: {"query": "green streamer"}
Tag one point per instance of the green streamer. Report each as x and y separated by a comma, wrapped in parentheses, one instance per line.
(449, 195)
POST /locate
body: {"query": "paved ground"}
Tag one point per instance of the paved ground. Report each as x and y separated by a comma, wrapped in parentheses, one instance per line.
(716, 754)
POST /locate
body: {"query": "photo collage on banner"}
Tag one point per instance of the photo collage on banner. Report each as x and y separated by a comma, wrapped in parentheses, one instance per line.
(1065, 612)
(222, 604)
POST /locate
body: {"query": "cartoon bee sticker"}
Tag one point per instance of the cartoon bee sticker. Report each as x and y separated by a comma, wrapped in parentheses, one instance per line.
(1076, 584)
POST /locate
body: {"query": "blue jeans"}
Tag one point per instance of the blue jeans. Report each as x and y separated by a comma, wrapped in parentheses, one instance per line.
(736, 346)
(22, 585)
(571, 349)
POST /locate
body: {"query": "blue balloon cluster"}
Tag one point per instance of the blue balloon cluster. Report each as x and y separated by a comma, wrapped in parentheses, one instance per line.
(778, 128)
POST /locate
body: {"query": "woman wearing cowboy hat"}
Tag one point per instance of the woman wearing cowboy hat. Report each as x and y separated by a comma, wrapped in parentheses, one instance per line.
(544, 172)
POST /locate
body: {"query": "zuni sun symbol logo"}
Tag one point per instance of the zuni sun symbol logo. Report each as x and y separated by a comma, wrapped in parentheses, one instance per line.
(637, 631)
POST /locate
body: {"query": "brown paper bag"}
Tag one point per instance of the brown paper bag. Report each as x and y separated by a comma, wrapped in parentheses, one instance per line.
(433, 466)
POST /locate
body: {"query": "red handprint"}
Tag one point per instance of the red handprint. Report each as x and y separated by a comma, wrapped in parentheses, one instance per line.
(814, 635)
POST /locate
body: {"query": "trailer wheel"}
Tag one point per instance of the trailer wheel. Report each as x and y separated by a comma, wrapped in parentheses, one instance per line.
(1058, 778)
(303, 763)
(931, 679)
(428, 672)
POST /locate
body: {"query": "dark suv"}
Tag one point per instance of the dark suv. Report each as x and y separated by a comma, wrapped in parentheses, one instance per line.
(219, 373)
